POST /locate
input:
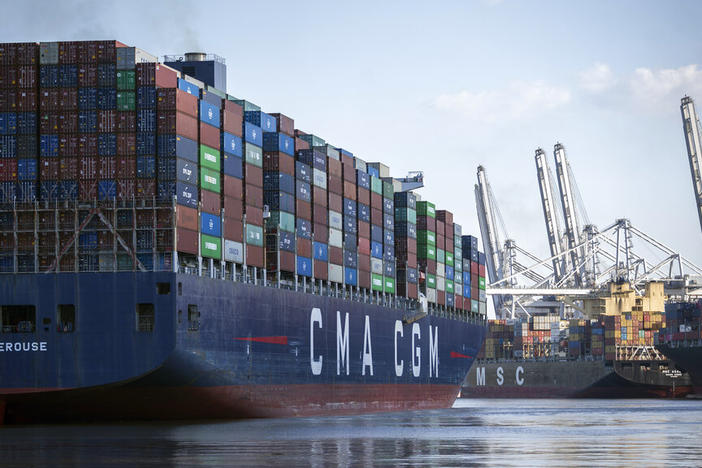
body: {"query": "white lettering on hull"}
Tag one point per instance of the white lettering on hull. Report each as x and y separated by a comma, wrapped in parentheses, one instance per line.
(22, 347)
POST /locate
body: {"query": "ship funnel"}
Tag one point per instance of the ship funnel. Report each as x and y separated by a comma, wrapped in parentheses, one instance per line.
(195, 57)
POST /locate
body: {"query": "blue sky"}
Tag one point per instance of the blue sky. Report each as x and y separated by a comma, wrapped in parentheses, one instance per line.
(445, 86)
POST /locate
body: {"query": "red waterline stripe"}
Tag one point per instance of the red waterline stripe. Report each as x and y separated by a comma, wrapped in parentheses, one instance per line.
(459, 355)
(266, 339)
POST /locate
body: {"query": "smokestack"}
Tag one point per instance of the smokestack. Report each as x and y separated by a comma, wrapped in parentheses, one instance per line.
(195, 57)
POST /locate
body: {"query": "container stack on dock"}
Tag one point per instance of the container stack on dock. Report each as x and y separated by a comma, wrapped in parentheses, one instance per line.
(110, 161)
(683, 322)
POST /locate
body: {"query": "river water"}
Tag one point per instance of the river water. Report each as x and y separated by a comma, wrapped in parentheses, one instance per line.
(475, 432)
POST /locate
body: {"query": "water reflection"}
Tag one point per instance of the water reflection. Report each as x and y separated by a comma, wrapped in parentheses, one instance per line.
(474, 433)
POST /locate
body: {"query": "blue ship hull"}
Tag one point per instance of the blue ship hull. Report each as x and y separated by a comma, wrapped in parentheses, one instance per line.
(219, 349)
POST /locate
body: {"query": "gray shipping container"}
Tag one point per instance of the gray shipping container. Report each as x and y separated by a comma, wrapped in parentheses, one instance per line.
(336, 221)
(48, 53)
(128, 57)
(377, 266)
(233, 251)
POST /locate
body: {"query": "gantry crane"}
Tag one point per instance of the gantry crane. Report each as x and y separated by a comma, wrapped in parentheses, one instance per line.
(693, 133)
(553, 228)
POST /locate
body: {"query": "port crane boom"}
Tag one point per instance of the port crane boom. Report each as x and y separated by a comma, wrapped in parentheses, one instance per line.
(693, 133)
(553, 229)
(572, 230)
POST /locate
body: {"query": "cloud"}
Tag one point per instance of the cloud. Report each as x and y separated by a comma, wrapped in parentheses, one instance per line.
(654, 87)
(598, 78)
(518, 100)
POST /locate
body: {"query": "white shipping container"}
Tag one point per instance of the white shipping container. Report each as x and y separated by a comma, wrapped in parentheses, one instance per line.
(377, 266)
(319, 178)
(459, 289)
(441, 270)
(233, 251)
(482, 308)
(336, 238)
(336, 273)
(360, 164)
(440, 283)
(431, 295)
(48, 53)
(336, 220)
(128, 57)
(196, 82)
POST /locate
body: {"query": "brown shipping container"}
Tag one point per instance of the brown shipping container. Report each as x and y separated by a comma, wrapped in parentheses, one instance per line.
(107, 121)
(303, 210)
(304, 247)
(253, 175)
(174, 122)
(187, 241)
(440, 228)
(210, 202)
(426, 222)
(285, 124)
(336, 255)
(233, 107)
(87, 167)
(334, 167)
(150, 74)
(233, 208)
(145, 188)
(376, 217)
(68, 122)
(445, 216)
(301, 144)
(346, 159)
(334, 185)
(364, 246)
(125, 166)
(48, 168)
(87, 75)
(106, 167)
(126, 122)
(49, 122)
(350, 190)
(254, 256)
(441, 297)
(363, 230)
(186, 217)
(440, 241)
(349, 171)
(125, 188)
(319, 196)
(233, 187)
(27, 100)
(321, 269)
(364, 262)
(8, 100)
(287, 261)
(233, 229)
(254, 216)
(336, 202)
(209, 135)
(363, 195)
(376, 201)
(169, 99)
(412, 245)
(279, 162)
(321, 233)
(87, 189)
(232, 122)
(364, 279)
(319, 215)
(253, 195)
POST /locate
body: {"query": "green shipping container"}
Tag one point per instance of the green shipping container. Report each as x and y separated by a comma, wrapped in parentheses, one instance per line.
(426, 237)
(449, 259)
(210, 247)
(126, 79)
(425, 208)
(405, 215)
(481, 282)
(126, 100)
(254, 235)
(449, 287)
(216, 92)
(426, 251)
(254, 155)
(388, 190)
(210, 158)
(376, 282)
(248, 106)
(431, 281)
(210, 180)
(457, 253)
(281, 220)
(440, 256)
(314, 140)
(389, 284)
(376, 185)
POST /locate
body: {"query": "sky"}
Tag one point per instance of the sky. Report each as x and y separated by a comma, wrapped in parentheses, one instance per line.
(445, 86)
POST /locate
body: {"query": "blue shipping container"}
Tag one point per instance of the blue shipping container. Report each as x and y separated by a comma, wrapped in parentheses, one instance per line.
(349, 207)
(373, 171)
(26, 191)
(186, 171)
(388, 237)
(389, 252)
(27, 123)
(210, 114)
(186, 194)
(176, 145)
(87, 121)
(350, 224)
(210, 224)
(165, 190)
(146, 143)
(303, 191)
(107, 75)
(68, 76)
(364, 212)
(87, 98)
(146, 97)
(26, 169)
(146, 167)
(49, 190)
(304, 228)
(449, 272)
(231, 144)
(253, 134)
(350, 259)
(351, 276)
(8, 192)
(363, 179)
(321, 251)
(266, 122)
(107, 189)
(146, 120)
(376, 233)
(107, 144)
(350, 242)
(48, 145)
(279, 201)
(8, 123)
(278, 181)
(232, 166)
(49, 76)
(303, 172)
(304, 266)
(68, 190)
(376, 250)
(107, 99)
(389, 268)
(388, 221)
(286, 241)
(188, 87)
(278, 142)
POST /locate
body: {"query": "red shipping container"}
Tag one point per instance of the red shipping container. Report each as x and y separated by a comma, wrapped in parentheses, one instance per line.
(440, 241)
(126, 144)
(178, 123)
(254, 216)
(304, 247)
(364, 261)
(440, 228)
(334, 168)
(349, 172)
(87, 145)
(26, 76)
(8, 100)
(126, 122)
(444, 216)
(150, 74)
(233, 229)
(145, 188)
(68, 168)
(253, 196)
(87, 167)
(125, 188)
(364, 279)
(363, 195)
(303, 210)
(232, 122)
(364, 246)
(481, 270)
(233, 187)
(210, 202)
(87, 75)
(474, 269)
(169, 99)
(412, 245)
(321, 233)
(279, 162)
(376, 201)
(106, 169)
(301, 144)
(321, 270)
(186, 217)
(336, 255)
(254, 256)
(319, 215)
(287, 261)
(319, 196)
(107, 121)
(187, 241)
(284, 124)
(87, 189)
(48, 168)
(8, 169)
(125, 166)
(350, 190)
(441, 297)
(233, 208)
(334, 185)
(233, 107)
(49, 100)
(376, 217)
(209, 135)
(68, 122)
(363, 230)
(336, 202)
(68, 99)
(48, 122)
(253, 175)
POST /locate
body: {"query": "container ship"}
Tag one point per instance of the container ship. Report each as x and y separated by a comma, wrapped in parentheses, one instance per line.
(610, 356)
(170, 251)
(681, 339)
